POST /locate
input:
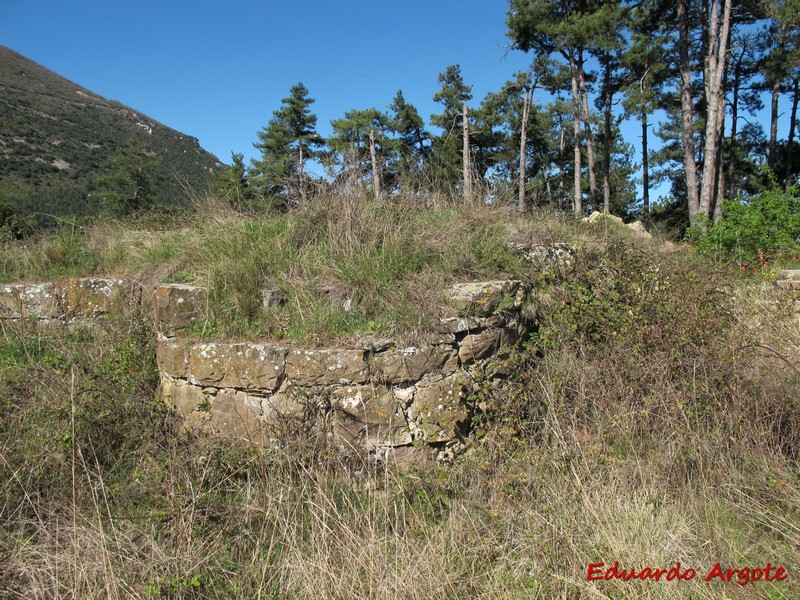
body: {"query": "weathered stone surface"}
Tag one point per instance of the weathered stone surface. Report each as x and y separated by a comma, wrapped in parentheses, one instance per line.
(599, 215)
(327, 366)
(280, 405)
(177, 307)
(272, 296)
(639, 229)
(237, 365)
(484, 297)
(370, 343)
(369, 416)
(172, 357)
(438, 412)
(789, 279)
(411, 364)
(374, 405)
(480, 345)
(556, 258)
(94, 296)
(236, 415)
(454, 325)
(23, 300)
(182, 396)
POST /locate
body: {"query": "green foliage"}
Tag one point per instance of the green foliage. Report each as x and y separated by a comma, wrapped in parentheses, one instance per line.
(754, 231)
(286, 143)
(59, 137)
(412, 139)
(11, 225)
(130, 187)
(447, 153)
(233, 184)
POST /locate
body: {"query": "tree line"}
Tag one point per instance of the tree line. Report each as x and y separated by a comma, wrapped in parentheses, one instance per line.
(551, 134)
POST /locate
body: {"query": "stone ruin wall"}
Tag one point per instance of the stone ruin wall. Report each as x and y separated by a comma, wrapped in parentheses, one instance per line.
(371, 395)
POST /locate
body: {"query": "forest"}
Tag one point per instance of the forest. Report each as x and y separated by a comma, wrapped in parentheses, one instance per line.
(703, 84)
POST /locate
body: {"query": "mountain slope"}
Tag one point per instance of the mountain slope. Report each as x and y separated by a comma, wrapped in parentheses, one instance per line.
(56, 137)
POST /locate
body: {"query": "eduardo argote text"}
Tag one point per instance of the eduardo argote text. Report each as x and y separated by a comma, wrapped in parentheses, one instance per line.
(741, 576)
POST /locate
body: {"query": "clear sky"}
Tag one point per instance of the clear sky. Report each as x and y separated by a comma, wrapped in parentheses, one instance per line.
(217, 70)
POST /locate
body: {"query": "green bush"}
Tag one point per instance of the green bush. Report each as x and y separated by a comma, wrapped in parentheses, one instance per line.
(761, 229)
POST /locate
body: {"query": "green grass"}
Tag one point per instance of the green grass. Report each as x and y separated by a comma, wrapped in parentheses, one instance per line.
(386, 262)
(654, 418)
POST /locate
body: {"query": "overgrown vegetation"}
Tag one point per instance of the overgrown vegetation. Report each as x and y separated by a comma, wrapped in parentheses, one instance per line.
(348, 264)
(654, 417)
(755, 232)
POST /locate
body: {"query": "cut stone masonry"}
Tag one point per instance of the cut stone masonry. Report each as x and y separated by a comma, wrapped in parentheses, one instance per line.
(372, 395)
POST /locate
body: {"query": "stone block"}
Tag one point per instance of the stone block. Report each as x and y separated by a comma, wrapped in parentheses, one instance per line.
(558, 259)
(235, 415)
(485, 297)
(237, 365)
(370, 417)
(327, 366)
(480, 345)
(177, 307)
(411, 364)
(93, 296)
(272, 296)
(172, 357)
(438, 412)
(23, 300)
(182, 396)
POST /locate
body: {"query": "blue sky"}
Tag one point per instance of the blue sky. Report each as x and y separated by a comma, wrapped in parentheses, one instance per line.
(218, 70)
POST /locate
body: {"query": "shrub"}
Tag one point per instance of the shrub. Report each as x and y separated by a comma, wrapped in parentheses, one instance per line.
(756, 230)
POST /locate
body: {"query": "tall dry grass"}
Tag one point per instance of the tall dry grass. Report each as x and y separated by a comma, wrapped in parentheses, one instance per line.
(653, 418)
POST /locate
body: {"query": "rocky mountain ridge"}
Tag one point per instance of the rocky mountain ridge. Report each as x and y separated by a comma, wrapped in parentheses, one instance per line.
(56, 137)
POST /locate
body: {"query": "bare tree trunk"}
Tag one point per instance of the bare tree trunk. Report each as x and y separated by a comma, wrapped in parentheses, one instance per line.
(577, 202)
(645, 167)
(772, 155)
(376, 173)
(300, 165)
(547, 185)
(790, 141)
(562, 146)
(467, 156)
(719, 33)
(687, 125)
(737, 82)
(526, 107)
(607, 100)
(587, 132)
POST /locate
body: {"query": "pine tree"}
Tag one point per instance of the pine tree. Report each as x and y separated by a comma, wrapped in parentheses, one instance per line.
(287, 142)
(130, 186)
(413, 146)
(233, 184)
(447, 158)
(361, 148)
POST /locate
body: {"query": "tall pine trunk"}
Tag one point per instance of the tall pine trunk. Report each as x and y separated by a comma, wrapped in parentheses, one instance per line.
(587, 132)
(467, 156)
(376, 173)
(645, 166)
(772, 155)
(687, 113)
(577, 202)
(608, 97)
(790, 141)
(526, 107)
(716, 63)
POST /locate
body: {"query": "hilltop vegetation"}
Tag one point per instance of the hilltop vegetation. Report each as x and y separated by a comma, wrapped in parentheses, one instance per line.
(651, 418)
(56, 138)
